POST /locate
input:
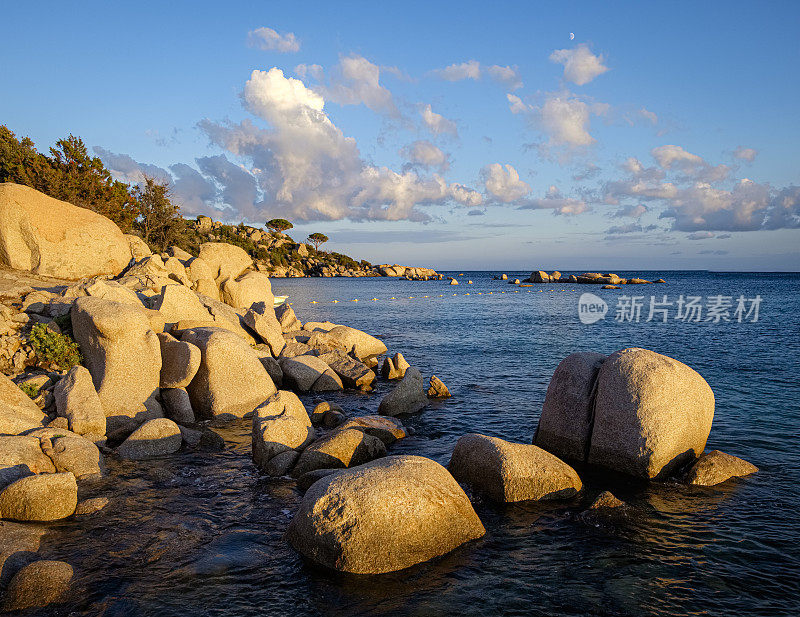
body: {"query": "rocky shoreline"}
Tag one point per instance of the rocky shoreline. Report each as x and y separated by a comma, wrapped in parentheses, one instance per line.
(121, 353)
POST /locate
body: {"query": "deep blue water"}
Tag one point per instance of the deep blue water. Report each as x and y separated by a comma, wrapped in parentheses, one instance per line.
(201, 534)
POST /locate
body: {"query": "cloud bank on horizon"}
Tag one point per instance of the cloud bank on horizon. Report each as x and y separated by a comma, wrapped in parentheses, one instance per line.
(289, 159)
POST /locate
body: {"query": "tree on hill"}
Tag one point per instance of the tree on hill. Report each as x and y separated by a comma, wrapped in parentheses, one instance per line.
(317, 239)
(279, 225)
(158, 220)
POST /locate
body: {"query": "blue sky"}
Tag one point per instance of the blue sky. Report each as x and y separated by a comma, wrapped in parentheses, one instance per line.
(454, 135)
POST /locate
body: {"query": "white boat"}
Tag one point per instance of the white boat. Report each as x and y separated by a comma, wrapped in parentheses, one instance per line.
(279, 300)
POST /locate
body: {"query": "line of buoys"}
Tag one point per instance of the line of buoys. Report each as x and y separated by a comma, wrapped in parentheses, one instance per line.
(479, 293)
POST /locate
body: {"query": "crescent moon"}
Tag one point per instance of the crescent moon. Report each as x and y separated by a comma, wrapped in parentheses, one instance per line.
(571, 36)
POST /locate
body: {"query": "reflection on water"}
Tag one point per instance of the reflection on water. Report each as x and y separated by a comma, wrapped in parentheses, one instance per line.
(201, 533)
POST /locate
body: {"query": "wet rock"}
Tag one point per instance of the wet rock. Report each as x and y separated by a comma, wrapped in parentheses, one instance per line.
(605, 500)
(652, 414)
(38, 584)
(91, 506)
(178, 405)
(180, 361)
(509, 472)
(394, 367)
(18, 545)
(124, 357)
(566, 421)
(366, 520)
(539, 276)
(437, 389)
(280, 424)
(156, 437)
(231, 381)
(191, 437)
(409, 396)
(715, 467)
(78, 402)
(453, 281)
(281, 464)
(342, 448)
(18, 413)
(45, 497)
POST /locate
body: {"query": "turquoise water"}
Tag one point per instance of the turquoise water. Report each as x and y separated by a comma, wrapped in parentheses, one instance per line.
(201, 533)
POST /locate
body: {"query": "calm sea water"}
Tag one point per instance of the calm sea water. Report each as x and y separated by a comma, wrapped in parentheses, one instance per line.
(201, 534)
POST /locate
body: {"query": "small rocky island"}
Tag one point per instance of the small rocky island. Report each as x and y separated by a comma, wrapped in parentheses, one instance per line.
(109, 350)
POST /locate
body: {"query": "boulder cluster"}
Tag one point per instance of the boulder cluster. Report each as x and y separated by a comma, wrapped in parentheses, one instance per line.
(587, 278)
(173, 344)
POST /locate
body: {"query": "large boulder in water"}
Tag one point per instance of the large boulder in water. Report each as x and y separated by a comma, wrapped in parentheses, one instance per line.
(37, 584)
(155, 437)
(566, 421)
(651, 414)
(509, 472)
(231, 381)
(409, 396)
(18, 412)
(54, 238)
(124, 357)
(342, 448)
(384, 516)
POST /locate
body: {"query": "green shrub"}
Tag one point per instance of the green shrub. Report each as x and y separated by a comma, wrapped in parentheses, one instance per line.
(56, 349)
(31, 390)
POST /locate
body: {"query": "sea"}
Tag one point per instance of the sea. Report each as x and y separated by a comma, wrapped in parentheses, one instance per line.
(203, 533)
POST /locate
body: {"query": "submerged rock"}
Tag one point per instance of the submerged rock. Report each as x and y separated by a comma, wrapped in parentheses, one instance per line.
(715, 467)
(387, 429)
(606, 499)
(38, 584)
(370, 519)
(90, 506)
(509, 472)
(409, 396)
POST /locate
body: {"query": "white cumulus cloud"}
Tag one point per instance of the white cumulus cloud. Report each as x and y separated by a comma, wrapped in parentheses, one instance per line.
(471, 69)
(506, 75)
(502, 183)
(437, 123)
(745, 154)
(566, 121)
(356, 81)
(580, 65)
(270, 40)
(424, 153)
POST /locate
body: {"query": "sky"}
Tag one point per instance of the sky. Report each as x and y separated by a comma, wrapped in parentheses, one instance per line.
(487, 136)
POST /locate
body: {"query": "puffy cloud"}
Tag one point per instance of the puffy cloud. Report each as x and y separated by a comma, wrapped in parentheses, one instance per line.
(648, 115)
(470, 69)
(516, 105)
(437, 123)
(306, 169)
(580, 65)
(506, 75)
(424, 153)
(269, 40)
(503, 184)
(356, 81)
(745, 154)
(670, 156)
(555, 201)
(566, 121)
